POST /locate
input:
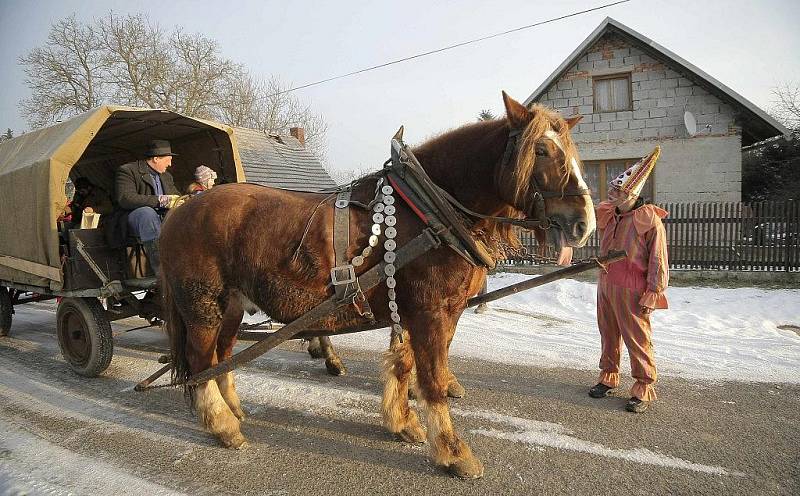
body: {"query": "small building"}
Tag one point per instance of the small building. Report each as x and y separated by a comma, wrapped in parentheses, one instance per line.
(280, 161)
(633, 94)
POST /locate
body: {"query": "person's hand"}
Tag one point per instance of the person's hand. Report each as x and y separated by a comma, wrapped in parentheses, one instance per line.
(163, 201)
(176, 201)
(646, 311)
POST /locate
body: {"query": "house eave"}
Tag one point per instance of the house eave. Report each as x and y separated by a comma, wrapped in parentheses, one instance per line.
(756, 124)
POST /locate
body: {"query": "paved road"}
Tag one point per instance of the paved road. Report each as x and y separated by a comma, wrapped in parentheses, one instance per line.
(535, 429)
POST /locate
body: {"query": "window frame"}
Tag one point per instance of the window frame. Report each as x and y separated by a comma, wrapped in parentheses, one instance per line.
(606, 77)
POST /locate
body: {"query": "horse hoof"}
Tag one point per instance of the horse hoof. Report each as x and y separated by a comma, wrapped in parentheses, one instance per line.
(470, 468)
(335, 367)
(455, 390)
(482, 308)
(237, 441)
(413, 434)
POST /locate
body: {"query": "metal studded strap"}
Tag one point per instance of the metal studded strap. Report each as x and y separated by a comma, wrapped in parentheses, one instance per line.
(343, 274)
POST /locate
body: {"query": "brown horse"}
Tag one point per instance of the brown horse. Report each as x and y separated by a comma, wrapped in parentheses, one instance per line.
(243, 245)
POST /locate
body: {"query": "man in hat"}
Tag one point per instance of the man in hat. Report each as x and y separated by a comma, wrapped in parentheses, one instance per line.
(629, 290)
(145, 191)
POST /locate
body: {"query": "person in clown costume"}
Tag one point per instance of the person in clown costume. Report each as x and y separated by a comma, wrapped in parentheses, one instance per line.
(629, 290)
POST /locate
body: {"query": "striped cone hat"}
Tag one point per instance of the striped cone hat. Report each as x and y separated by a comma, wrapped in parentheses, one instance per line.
(632, 180)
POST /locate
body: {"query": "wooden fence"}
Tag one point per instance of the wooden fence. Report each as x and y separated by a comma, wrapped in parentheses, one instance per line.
(761, 236)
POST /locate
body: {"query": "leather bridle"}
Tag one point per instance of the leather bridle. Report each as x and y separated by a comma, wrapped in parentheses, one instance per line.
(540, 219)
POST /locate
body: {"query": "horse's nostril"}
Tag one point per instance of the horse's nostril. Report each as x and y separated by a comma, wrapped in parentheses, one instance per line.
(579, 229)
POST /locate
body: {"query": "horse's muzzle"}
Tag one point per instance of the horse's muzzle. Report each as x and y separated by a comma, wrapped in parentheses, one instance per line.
(577, 230)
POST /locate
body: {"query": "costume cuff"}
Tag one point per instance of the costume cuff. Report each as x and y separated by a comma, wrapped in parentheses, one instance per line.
(653, 299)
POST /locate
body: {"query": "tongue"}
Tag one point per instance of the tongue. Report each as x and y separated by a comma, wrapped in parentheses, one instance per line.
(565, 254)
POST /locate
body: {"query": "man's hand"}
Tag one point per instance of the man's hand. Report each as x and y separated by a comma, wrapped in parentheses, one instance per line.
(168, 201)
(176, 201)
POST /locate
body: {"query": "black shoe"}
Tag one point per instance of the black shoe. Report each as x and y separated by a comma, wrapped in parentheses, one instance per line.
(599, 390)
(153, 257)
(635, 405)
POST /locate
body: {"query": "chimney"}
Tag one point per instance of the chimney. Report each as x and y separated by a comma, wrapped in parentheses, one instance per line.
(300, 134)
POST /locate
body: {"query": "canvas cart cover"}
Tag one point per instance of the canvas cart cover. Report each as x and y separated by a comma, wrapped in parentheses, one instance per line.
(35, 167)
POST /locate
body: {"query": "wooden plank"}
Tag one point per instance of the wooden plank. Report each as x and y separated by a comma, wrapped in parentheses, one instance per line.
(726, 241)
(716, 213)
(684, 232)
(769, 242)
(738, 234)
(692, 235)
(795, 231)
(758, 252)
(704, 243)
(29, 267)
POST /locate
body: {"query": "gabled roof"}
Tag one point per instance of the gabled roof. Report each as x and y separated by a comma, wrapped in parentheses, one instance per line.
(280, 162)
(757, 125)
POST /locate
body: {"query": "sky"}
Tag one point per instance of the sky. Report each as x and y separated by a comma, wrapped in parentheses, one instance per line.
(750, 46)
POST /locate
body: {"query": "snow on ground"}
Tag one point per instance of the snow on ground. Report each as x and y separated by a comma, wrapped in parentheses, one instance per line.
(708, 333)
(27, 467)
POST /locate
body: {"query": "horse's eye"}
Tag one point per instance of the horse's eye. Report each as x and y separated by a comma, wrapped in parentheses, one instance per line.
(541, 151)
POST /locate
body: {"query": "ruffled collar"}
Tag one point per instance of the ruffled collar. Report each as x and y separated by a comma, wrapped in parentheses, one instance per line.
(645, 217)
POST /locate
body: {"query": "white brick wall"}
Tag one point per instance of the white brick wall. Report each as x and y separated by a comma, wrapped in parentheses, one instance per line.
(706, 167)
(698, 169)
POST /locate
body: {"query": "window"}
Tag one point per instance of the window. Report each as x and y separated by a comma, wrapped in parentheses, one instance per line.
(599, 172)
(612, 93)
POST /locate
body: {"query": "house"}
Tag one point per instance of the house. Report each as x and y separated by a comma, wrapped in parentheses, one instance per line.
(633, 94)
(280, 161)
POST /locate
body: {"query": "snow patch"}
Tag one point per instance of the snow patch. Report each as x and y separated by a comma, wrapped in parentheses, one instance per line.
(708, 333)
(31, 465)
(552, 435)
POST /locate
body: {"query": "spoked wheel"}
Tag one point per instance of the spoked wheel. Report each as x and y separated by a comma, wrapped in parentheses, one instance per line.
(6, 309)
(84, 334)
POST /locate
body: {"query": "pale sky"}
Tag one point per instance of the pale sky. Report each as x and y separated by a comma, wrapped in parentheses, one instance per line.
(750, 46)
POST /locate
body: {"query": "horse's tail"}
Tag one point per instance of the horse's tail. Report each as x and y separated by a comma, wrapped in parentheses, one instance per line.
(176, 328)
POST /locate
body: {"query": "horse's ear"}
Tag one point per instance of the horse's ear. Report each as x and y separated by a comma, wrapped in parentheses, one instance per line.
(518, 114)
(399, 134)
(573, 121)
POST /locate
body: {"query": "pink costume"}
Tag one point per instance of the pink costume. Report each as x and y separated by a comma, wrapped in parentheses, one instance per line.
(628, 285)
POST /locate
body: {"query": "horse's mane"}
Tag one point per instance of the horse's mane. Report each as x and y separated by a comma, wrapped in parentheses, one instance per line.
(544, 119)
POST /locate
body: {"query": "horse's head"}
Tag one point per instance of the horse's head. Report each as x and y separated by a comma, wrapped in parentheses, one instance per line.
(540, 173)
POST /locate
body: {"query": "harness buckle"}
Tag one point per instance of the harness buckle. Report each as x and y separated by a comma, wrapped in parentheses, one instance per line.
(343, 274)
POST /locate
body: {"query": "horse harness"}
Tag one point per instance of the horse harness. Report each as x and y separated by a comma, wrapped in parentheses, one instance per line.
(403, 174)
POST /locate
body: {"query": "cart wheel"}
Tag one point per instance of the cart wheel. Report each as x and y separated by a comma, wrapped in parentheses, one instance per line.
(84, 334)
(6, 309)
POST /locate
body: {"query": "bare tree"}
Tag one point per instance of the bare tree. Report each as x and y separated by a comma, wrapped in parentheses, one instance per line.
(485, 115)
(66, 75)
(132, 61)
(266, 106)
(786, 106)
(346, 176)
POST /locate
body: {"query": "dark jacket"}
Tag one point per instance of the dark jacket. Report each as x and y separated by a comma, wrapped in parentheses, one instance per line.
(134, 188)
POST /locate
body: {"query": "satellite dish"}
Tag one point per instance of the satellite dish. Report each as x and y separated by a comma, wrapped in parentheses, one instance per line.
(690, 123)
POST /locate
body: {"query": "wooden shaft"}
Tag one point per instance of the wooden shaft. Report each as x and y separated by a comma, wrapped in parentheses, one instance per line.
(142, 386)
(547, 278)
